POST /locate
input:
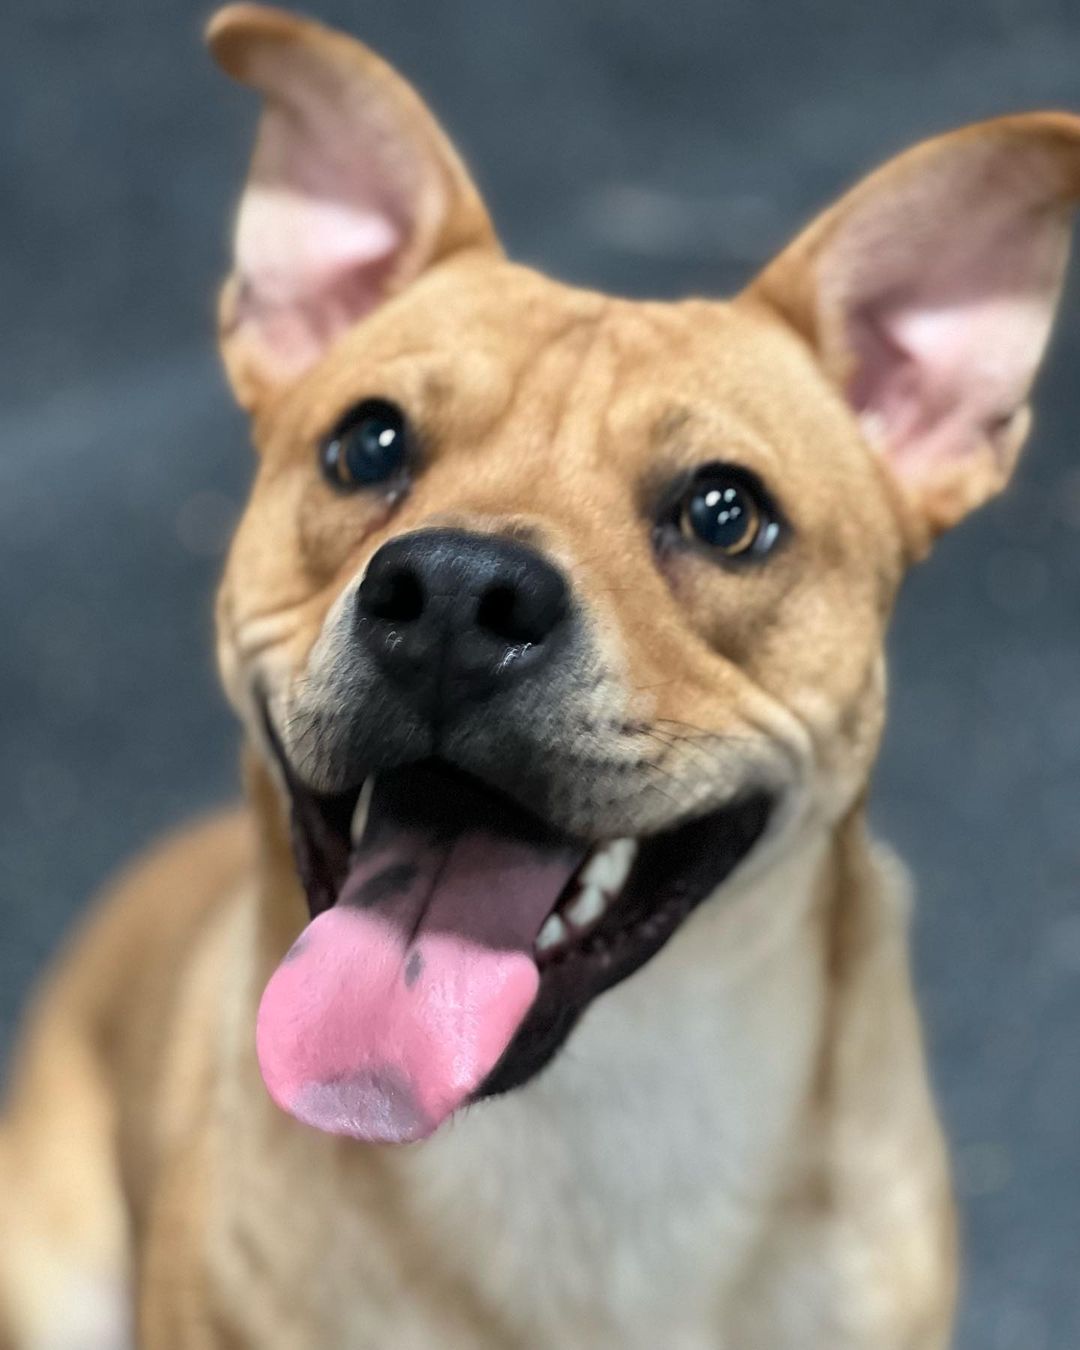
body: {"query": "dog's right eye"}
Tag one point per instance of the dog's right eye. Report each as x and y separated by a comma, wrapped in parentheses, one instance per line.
(369, 446)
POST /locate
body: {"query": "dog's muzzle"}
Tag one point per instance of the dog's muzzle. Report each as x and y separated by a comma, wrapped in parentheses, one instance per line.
(473, 864)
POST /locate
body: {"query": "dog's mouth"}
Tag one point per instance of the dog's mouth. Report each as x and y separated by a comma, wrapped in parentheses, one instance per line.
(455, 940)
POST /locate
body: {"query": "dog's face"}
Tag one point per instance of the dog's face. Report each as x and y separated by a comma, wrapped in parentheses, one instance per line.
(550, 609)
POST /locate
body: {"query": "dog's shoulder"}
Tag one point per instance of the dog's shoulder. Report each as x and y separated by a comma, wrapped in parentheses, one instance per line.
(88, 1075)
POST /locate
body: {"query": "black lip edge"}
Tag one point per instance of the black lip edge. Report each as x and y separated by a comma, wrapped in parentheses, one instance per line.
(318, 824)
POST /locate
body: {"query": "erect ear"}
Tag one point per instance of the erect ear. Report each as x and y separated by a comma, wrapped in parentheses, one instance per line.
(929, 291)
(353, 191)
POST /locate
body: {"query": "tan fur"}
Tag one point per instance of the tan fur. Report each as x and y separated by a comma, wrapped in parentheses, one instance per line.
(737, 1147)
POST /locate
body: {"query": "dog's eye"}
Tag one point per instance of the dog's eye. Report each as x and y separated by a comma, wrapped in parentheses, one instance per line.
(368, 446)
(728, 510)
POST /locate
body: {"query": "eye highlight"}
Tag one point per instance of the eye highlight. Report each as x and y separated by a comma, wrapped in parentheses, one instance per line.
(369, 446)
(724, 516)
(727, 510)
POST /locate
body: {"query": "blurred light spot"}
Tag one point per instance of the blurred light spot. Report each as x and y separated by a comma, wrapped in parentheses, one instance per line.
(1021, 1328)
(1016, 580)
(982, 1169)
(66, 688)
(1063, 942)
(1068, 498)
(205, 522)
(50, 792)
(643, 219)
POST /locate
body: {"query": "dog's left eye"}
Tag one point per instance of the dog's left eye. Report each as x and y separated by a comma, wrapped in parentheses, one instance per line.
(728, 510)
(367, 447)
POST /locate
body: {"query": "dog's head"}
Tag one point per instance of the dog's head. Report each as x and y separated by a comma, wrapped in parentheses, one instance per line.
(552, 610)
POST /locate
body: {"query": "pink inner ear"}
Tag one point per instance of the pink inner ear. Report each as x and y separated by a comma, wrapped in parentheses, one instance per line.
(935, 386)
(949, 294)
(342, 183)
(308, 267)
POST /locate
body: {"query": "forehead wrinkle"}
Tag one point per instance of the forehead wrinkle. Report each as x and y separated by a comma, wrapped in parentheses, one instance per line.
(718, 433)
(668, 375)
(562, 390)
(636, 340)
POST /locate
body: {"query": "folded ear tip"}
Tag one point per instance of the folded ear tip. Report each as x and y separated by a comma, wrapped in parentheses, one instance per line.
(1053, 128)
(1052, 120)
(232, 30)
(1056, 133)
(1065, 126)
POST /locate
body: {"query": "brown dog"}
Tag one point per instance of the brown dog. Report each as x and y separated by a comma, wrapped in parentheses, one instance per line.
(555, 623)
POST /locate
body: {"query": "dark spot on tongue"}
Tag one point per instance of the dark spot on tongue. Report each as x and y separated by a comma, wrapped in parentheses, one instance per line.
(382, 885)
(414, 968)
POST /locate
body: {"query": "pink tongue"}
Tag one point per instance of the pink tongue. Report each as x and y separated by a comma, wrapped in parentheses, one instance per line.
(393, 1006)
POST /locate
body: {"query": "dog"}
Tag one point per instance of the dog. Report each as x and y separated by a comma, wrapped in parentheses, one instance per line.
(549, 990)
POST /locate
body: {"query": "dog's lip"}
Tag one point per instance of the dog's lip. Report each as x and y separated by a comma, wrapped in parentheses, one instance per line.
(673, 871)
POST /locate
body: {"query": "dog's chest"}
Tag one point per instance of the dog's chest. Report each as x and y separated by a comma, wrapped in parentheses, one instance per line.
(626, 1192)
(614, 1201)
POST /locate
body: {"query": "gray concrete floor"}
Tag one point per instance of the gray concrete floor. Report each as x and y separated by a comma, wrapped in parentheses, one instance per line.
(649, 149)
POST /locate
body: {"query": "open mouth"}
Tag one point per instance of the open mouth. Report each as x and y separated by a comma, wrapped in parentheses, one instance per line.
(456, 939)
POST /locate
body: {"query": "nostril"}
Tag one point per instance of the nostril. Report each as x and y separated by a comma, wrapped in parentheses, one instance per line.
(517, 614)
(496, 614)
(396, 596)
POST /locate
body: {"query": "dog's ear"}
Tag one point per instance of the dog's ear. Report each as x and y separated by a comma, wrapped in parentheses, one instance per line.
(928, 293)
(353, 191)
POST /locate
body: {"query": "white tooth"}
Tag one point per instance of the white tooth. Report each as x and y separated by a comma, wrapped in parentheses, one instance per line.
(552, 934)
(587, 907)
(609, 866)
(360, 812)
(624, 852)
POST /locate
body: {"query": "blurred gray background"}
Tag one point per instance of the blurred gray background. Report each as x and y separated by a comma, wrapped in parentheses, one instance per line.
(652, 149)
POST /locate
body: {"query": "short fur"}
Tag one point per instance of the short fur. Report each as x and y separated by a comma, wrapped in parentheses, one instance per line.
(737, 1146)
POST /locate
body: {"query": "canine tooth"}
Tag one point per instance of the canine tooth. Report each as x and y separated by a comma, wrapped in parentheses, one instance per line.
(552, 934)
(587, 906)
(609, 866)
(360, 811)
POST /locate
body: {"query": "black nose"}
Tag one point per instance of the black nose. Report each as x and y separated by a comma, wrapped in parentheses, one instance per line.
(453, 617)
